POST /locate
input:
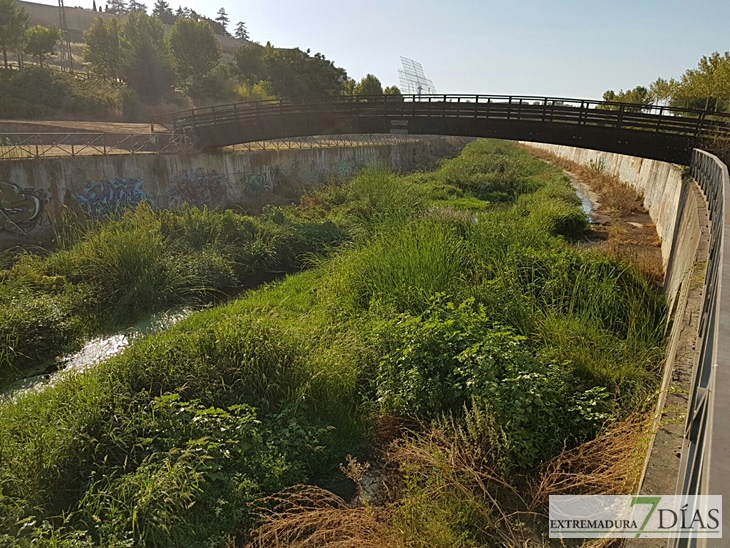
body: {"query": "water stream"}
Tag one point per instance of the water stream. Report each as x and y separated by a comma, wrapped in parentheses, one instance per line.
(586, 205)
(94, 351)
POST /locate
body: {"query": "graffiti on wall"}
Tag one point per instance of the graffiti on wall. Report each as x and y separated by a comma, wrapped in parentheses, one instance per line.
(110, 195)
(198, 188)
(344, 167)
(20, 208)
(256, 183)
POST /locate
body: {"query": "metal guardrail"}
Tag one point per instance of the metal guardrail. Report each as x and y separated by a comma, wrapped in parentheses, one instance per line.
(332, 141)
(54, 145)
(48, 145)
(705, 465)
(556, 110)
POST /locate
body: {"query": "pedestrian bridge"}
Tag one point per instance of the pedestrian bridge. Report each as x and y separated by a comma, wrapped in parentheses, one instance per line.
(656, 132)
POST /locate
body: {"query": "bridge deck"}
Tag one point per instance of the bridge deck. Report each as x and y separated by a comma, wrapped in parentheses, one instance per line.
(658, 132)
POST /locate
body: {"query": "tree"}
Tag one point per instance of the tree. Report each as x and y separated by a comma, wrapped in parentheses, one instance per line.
(143, 56)
(41, 41)
(117, 6)
(249, 64)
(223, 19)
(392, 90)
(638, 95)
(94, 6)
(163, 11)
(101, 48)
(13, 23)
(369, 85)
(194, 50)
(134, 5)
(296, 75)
(241, 31)
(660, 90)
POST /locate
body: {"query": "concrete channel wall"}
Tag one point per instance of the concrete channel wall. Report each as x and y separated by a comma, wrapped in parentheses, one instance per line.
(34, 193)
(678, 208)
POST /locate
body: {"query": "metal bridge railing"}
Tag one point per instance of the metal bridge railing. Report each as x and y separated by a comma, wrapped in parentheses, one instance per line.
(705, 465)
(557, 110)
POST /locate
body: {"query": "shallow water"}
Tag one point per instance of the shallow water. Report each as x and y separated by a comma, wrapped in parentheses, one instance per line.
(94, 351)
(585, 202)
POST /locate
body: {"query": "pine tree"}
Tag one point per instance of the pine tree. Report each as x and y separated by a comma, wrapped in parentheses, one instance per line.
(223, 19)
(94, 8)
(134, 5)
(117, 6)
(241, 31)
(163, 12)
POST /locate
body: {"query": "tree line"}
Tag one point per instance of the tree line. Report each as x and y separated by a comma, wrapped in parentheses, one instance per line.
(705, 87)
(141, 54)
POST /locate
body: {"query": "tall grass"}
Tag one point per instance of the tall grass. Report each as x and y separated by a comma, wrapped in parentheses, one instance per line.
(483, 325)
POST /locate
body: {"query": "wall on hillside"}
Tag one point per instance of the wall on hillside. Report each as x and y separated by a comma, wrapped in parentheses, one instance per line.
(35, 192)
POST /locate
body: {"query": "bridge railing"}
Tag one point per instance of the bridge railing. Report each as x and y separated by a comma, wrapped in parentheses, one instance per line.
(705, 466)
(557, 110)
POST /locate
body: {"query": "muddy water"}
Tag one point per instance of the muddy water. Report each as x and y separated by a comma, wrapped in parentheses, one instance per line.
(93, 352)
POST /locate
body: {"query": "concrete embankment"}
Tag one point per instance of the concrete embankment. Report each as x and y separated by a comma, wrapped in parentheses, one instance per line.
(34, 193)
(678, 208)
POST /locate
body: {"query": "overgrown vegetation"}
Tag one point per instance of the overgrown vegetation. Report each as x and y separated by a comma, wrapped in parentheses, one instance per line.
(459, 306)
(112, 272)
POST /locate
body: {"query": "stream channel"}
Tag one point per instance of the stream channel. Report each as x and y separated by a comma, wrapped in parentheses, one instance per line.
(101, 348)
(93, 352)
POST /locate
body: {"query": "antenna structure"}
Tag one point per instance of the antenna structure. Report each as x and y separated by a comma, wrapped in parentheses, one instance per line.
(413, 81)
(66, 55)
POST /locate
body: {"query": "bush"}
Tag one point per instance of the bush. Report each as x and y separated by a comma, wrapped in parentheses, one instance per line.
(439, 361)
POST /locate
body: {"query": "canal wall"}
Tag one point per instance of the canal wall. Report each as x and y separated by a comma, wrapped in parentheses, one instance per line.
(679, 210)
(35, 193)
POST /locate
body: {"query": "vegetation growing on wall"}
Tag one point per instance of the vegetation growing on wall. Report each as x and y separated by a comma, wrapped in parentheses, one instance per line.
(460, 306)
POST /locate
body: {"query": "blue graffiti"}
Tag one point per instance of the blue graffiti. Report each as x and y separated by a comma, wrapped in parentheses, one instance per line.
(110, 195)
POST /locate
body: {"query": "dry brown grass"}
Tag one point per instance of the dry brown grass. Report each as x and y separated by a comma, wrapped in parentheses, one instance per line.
(618, 198)
(458, 460)
(610, 464)
(307, 516)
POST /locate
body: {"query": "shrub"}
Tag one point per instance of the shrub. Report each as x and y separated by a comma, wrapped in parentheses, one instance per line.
(438, 361)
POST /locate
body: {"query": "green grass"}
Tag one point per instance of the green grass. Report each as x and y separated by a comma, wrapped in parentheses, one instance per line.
(433, 300)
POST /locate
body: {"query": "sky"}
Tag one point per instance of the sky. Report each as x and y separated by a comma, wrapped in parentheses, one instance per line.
(563, 48)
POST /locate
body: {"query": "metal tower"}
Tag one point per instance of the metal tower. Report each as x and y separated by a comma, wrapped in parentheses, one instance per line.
(67, 60)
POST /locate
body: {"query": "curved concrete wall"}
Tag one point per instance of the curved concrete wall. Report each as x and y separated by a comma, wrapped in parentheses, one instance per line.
(679, 210)
(665, 196)
(34, 192)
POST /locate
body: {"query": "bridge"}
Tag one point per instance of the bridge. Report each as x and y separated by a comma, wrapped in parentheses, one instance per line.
(657, 132)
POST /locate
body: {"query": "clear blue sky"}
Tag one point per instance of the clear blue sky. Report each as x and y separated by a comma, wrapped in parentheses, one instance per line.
(570, 48)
